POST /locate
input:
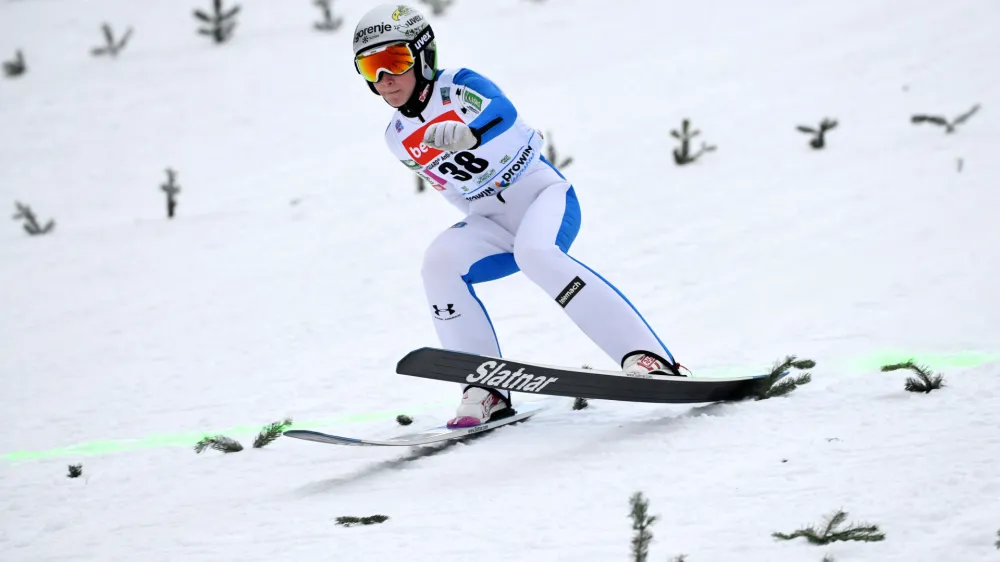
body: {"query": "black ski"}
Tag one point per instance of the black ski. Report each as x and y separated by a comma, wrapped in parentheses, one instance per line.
(521, 376)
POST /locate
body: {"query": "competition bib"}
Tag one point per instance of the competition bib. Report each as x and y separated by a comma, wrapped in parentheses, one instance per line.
(477, 173)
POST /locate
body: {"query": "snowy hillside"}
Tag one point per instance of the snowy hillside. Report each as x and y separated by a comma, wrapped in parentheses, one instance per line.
(288, 284)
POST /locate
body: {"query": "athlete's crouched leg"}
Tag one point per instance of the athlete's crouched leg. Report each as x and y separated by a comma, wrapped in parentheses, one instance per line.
(472, 251)
(544, 263)
(442, 261)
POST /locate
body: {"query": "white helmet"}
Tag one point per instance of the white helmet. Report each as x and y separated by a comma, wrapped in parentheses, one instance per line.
(398, 23)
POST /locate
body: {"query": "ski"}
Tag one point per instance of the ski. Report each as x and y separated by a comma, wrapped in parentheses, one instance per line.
(521, 376)
(425, 437)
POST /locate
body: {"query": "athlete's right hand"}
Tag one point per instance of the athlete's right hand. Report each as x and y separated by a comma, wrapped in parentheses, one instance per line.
(450, 135)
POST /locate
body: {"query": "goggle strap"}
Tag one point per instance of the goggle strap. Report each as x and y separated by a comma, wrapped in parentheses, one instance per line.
(421, 41)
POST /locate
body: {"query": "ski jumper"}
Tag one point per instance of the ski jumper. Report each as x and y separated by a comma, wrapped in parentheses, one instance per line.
(521, 215)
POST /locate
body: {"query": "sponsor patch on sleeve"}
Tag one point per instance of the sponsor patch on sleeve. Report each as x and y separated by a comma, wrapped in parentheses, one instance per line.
(472, 100)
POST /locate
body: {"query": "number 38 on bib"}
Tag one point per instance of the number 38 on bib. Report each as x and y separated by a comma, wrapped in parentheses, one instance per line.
(481, 172)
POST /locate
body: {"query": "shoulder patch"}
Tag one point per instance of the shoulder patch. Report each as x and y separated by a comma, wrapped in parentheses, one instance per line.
(472, 100)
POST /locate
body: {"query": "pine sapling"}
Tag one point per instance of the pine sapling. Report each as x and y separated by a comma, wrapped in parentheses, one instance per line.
(171, 189)
(828, 558)
(270, 432)
(682, 154)
(16, 67)
(220, 24)
(219, 443)
(819, 135)
(329, 23)
(998, 540)
(402, 419)
(679, 558)
(581, 403)
(831, 533)
(551, 156)
(925, 380)
(75, 470)
(31, 225)
(949, 127)
(111, 46)
(350, 521)
(438, 7)
(777, 383)
(641, 522)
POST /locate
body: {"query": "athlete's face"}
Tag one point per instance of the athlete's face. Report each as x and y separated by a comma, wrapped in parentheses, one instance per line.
(396, 89)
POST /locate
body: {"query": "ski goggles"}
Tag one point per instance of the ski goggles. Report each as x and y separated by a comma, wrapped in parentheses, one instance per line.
(394, 58)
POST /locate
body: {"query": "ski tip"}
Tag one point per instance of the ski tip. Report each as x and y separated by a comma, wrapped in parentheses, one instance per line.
(309, 435)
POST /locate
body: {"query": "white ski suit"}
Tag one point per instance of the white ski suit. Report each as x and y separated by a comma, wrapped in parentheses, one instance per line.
(521, 215)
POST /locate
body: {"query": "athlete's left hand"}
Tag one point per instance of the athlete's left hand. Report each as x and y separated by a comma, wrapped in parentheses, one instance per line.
(450, 135)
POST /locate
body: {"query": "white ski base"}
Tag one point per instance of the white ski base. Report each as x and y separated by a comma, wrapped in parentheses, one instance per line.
(425, 437)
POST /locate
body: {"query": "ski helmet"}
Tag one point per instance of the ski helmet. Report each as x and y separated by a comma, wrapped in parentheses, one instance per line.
(389, 24)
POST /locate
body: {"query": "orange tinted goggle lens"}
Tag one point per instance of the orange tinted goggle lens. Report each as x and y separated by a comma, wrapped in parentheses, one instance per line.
(394, 59)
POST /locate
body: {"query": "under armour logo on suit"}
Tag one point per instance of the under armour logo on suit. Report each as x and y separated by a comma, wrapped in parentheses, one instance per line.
(448, 310)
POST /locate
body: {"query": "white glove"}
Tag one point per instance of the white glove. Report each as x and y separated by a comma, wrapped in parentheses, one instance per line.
(450, 135)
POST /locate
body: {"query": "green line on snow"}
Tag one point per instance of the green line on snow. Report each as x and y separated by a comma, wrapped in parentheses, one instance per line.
(186, 438)
(871, 362)
(959, 359)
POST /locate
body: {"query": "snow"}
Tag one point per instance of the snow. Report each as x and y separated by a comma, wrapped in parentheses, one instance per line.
(288, 284)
